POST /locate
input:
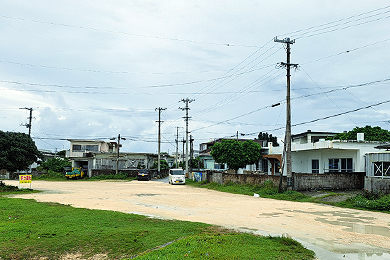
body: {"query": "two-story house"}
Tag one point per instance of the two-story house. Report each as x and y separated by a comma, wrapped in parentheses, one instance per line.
(98, 154)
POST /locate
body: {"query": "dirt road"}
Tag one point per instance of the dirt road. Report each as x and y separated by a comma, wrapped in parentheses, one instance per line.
(333, 233)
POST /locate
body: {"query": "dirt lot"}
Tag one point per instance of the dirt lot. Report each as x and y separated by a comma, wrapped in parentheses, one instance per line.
(333, 233)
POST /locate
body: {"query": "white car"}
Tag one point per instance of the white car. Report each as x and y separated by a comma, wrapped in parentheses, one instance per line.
(176, 176)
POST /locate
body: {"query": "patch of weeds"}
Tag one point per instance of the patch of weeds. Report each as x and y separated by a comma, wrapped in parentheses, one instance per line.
(9, 189)
(119, 176)
(51, 175)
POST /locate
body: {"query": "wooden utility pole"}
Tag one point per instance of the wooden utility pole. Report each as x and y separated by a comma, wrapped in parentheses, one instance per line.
(159, 139)
(288, 65)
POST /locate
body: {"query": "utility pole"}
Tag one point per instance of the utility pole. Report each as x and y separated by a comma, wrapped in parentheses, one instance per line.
(159, 138)
(183, 141)
(191, 151)
(287, 65)
(177, 146)
(29, 119)
(117, 151)
(186, 118)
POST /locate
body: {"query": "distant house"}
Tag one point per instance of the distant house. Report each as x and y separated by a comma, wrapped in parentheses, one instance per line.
(97, 154)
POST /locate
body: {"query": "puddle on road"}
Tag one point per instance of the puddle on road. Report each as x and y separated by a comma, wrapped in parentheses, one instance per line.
(270, 214)
(357, 228)
(146, 194)
(333, 249)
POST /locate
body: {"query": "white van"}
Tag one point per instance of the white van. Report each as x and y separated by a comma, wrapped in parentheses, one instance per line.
(176, 176)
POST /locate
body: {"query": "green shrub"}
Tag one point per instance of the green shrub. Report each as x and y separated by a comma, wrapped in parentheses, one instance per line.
(51, 175)
(381, 204)
(119, 176)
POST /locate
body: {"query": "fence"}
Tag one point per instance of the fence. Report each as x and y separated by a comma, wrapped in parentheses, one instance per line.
(301, 181)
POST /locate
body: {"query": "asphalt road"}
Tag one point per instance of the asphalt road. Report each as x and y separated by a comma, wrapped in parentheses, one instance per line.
(333, 233)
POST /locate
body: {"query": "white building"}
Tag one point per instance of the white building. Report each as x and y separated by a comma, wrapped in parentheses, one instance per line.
(312, 153)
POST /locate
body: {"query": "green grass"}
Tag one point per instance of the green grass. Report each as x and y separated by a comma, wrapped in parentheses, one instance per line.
(230, 246)
(51, 176)
(368, 201)
(29, 230)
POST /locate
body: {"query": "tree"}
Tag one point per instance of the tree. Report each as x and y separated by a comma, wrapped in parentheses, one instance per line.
(268, 138)
(236, 154)
(370, 134)
(195, 163)
(17, 151)
(163, 165)
(62, 153)
(54, 164)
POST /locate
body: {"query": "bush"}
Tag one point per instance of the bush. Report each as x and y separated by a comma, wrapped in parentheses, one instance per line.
(119, 176)
(374, 201)
(54, 164)
(4, 187)
(51, 175)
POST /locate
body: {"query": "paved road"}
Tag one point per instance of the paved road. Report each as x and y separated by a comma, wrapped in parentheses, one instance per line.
(333, 233)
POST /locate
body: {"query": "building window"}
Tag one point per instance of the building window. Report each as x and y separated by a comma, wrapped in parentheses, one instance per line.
(334, 165)
(346, 165)
(341, 165)
(381, 169)
(264, 165)
(92, 148)
(315, 166)
(76, 147)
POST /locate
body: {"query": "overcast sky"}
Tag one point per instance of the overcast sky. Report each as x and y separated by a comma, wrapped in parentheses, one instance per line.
(96, 69)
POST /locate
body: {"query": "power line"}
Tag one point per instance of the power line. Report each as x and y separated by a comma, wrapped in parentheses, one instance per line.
(128, 34)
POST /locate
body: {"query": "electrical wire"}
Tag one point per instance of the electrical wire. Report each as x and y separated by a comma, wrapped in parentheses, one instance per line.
(126, 33)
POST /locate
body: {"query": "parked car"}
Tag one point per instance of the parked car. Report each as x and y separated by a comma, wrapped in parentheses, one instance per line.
(143, 174)
(176, 176)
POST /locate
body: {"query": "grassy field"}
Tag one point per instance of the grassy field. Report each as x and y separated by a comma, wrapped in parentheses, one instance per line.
(29, 230)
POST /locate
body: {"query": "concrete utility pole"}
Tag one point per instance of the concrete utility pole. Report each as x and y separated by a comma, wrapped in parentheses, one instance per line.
(191, 151)
(183, 141)
(117, 152)
(186, 118)
(159, 138)
(29, 119)
(287, 65)
(177, 146)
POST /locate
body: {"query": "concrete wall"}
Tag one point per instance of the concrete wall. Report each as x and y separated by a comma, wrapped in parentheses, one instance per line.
(302, 181)
(377, 184)
(328, 181)
(253, 179)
